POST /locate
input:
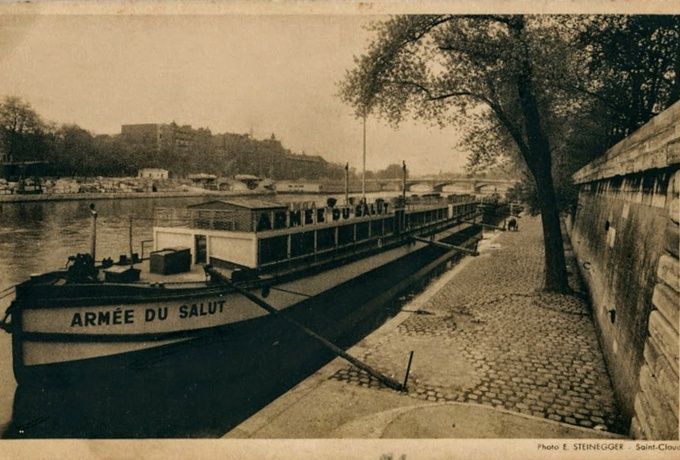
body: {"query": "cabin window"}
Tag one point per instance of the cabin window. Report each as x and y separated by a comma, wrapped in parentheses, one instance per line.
(301, 243)
(263, 222)
(202, 219)
(309, 216)
(280, 219)
(295, 218)
(223, 224)
(377, 227)
(345, 234)
(273, 249)
(389, 226)
(201, 249)
(362, 231)
(325, 239)
(320, 215)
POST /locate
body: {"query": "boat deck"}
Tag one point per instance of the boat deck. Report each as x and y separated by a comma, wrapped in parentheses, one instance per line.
(195, 275)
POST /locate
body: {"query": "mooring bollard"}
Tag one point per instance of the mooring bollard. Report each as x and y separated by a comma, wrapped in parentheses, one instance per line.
(408, 369)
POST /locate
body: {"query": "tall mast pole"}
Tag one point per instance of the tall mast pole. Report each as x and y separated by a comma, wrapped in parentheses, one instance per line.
(403, 180)
(346, 184)
(93, 232)
(130, 239)
(363, 174)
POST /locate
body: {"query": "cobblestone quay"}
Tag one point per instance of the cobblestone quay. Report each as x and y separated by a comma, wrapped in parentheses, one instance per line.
(490, 337)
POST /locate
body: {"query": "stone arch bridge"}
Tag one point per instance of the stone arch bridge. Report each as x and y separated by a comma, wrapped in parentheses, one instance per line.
(472, 185)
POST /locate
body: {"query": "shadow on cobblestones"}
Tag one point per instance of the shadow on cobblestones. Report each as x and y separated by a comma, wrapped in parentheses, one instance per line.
(490, 337)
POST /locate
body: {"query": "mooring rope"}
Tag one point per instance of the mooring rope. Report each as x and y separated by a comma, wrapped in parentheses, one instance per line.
(7, 292)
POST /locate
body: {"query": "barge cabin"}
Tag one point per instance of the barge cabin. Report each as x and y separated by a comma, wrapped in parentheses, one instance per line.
(264, 236)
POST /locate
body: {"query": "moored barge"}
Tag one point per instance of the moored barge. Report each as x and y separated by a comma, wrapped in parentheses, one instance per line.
(98, 317)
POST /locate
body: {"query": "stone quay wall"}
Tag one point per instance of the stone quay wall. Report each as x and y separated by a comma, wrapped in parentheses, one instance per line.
(625, 236)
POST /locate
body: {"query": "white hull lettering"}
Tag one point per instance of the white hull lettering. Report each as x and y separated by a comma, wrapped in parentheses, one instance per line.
(201, 309)
(90, 318)
(160, 314)
(151, 314)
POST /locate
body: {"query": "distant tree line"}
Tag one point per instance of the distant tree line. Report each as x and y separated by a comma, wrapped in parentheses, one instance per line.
(70, 150)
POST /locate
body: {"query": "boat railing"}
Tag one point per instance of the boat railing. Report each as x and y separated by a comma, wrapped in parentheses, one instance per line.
(239, 221)
(326, 254)
(358, 245)
(314, 243)
(205, 219)
(264, 220)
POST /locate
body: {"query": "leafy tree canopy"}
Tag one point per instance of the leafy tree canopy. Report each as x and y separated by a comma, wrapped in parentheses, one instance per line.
(543, 93)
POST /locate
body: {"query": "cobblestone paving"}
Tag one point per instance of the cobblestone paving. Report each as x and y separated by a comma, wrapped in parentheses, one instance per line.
(490, 337)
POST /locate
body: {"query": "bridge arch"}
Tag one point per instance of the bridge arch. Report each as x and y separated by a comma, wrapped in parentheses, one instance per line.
(457, 187)
(420, 187)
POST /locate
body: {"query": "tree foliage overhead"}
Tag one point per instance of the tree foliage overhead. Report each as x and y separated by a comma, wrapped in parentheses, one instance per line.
(543, 94)
(596, 79)
(492, 70)
(471, 71)
(618, 72)
(631, 67)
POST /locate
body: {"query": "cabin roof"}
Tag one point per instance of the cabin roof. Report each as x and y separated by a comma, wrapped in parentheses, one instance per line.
(246, 203)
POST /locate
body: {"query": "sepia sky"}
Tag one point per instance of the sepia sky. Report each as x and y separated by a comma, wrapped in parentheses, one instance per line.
(228, 73)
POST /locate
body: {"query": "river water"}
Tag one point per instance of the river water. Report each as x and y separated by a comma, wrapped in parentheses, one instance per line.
(39, 236)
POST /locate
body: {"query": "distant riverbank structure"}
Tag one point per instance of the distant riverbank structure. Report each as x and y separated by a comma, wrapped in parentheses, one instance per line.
(185, 150)
(21, 177)
(153, 173)
(155, 136)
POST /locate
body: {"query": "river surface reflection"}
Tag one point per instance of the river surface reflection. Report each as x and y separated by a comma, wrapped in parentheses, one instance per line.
(39, 236)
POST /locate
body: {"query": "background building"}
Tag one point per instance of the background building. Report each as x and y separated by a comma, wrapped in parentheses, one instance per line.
(153, 173)
(144, 135)
(159, 136)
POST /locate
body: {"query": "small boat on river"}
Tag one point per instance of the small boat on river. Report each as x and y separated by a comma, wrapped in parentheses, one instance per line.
(99, 317)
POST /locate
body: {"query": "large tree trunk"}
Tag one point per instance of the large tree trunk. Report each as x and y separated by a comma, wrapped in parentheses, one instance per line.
(538, 158)
(556, 279)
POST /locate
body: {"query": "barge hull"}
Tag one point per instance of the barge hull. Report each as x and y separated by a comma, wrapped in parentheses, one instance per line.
(236, 345)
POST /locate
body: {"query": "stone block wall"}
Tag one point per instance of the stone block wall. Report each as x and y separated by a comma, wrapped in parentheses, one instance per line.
(625, 236)
(656, 403)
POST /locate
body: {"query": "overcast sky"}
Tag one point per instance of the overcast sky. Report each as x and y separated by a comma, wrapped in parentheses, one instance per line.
(228, 73)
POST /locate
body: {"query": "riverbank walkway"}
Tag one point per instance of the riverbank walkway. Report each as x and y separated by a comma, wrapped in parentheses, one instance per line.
(494, 358)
